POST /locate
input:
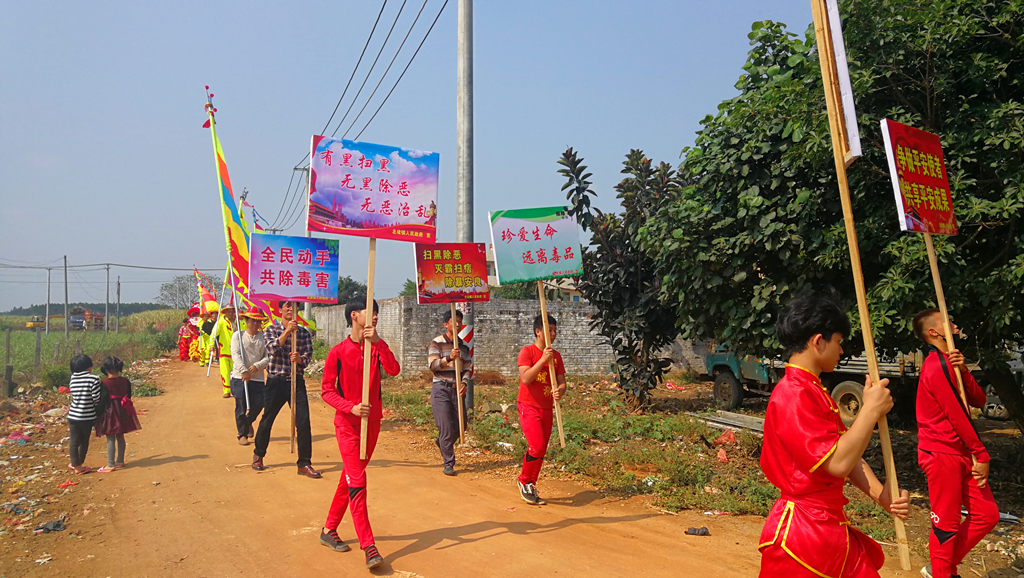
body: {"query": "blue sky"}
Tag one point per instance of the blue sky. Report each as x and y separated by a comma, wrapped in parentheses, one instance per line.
(103, 158)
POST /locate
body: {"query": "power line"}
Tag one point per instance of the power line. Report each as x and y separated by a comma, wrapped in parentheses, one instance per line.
(298, 213)
(403, 71)
(289, 200)
(285, 201)
(386, 70)
(100, 266)
(358, 62)
(368, 72)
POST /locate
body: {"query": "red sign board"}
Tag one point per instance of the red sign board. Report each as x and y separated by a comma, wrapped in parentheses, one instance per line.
(919, 179)
(451, 273)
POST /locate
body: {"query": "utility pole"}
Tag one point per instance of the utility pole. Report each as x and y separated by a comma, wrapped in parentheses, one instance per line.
(106, 304)
(48, 270)
(117, 324)
(67, 320)
(464, 157)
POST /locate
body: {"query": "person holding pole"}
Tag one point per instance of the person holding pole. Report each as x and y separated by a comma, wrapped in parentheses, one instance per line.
(222, 333)
(537, 394)
(288, 345)
(249, 359)
(949, 451)
(808, 454)
(442, 358)
(342, 389)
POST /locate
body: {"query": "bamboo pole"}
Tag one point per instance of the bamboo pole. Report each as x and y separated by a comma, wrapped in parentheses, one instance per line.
(823, 37)
(364, 425)
(456, 327)
(933, 262)
(551, 362)
(294, 367)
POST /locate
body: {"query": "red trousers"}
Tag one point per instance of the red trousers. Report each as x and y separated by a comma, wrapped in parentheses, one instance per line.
(351, 492)
(536, 424)
(777, 562)
(950, 486)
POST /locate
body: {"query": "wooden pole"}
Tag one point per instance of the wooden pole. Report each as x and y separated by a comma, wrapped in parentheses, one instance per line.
(456, 327)
(294, 367)
(364, 425)
(823, 35)
(933, 262)
(551, 363)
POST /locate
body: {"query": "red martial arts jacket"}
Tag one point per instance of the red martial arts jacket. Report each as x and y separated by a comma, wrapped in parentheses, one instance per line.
(342, 386)
(801, 429)
(943, 424)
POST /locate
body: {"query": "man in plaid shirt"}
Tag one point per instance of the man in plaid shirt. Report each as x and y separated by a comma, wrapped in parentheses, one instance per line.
(279, 391)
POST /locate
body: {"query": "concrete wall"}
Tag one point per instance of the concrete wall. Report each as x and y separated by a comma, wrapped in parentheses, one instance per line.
(503, 327)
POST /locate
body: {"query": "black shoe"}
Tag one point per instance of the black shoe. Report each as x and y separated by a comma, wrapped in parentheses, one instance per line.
(373, 557)
(330, 539)
(449, 471)
(526, 491)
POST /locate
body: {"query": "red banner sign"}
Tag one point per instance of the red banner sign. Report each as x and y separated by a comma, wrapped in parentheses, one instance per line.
(451, 273)
(919, 179)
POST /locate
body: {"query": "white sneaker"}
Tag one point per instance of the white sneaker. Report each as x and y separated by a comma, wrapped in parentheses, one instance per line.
(926, 571)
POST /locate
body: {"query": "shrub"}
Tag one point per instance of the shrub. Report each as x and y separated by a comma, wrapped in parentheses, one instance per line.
(56, 376)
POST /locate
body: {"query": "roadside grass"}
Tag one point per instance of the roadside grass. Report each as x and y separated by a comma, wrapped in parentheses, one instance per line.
(56, 352)
(671, 457)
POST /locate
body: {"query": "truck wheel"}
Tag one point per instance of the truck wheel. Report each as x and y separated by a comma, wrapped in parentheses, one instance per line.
(728, 390)
(848, 395)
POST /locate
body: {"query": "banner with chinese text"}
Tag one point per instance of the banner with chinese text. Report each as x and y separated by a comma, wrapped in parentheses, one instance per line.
(535, 244)
(919, 179)
(451, 273)
(293, 268)
(371, 190)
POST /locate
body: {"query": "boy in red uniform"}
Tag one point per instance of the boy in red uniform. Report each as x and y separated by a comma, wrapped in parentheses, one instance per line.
(808, 454)
(343, 390)
(946, 444)
(535, 403)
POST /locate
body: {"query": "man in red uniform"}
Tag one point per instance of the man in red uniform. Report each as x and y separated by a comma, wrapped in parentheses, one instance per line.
(950, 452)
(808, 454)
(535, 403)
(343, 390)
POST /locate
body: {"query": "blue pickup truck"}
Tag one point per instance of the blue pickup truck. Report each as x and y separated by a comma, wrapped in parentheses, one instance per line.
(737, 377)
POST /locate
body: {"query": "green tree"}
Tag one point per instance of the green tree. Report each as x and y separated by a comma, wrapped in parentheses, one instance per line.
(349, 288)
(515, 291)
(617, 273)
(408, 289)
(760, 215)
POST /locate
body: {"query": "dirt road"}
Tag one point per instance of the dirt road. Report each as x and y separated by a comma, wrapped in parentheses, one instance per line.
(189, 505)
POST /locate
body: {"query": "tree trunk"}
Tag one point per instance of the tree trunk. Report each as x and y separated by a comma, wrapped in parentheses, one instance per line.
(1002, 380)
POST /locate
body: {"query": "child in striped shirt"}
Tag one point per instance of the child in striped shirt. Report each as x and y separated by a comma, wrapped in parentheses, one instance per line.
(85, 398)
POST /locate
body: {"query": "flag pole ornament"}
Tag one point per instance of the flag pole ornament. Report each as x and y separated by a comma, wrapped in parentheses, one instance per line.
(235, 234)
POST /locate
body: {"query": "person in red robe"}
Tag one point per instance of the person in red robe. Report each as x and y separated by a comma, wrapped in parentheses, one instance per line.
(187, 333)
(342, 389)
(949, 451)
(808, 454)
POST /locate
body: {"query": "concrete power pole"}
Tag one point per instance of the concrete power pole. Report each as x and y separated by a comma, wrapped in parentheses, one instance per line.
(117, 324)
(66, 318)
(106, 304)
(464, 158)
(48, 271)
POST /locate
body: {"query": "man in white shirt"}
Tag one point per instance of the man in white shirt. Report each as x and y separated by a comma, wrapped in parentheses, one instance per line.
(250, 359)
